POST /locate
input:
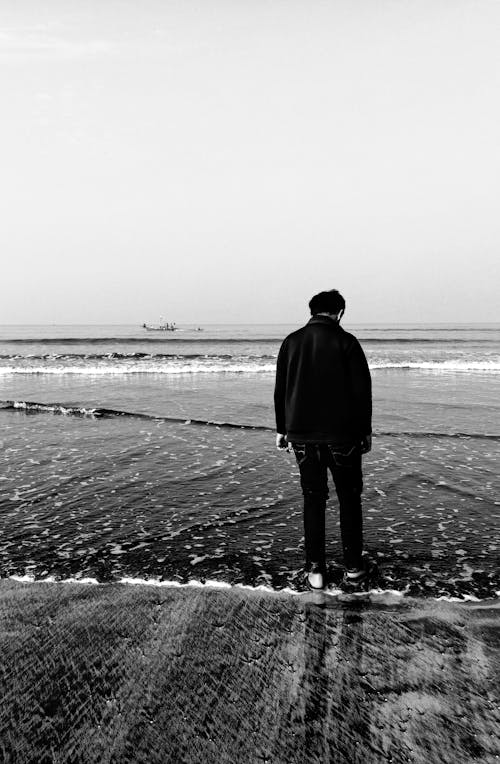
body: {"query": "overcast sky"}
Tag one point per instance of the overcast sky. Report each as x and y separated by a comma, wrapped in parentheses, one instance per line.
(223, 160)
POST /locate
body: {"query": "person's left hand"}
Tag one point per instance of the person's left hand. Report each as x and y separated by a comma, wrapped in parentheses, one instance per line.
(282, 442)
(366, 444)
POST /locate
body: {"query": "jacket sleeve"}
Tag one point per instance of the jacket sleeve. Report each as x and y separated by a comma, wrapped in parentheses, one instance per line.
(361, 385)
(280, 389)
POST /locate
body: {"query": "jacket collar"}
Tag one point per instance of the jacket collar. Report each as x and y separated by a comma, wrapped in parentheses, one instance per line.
(323, 320)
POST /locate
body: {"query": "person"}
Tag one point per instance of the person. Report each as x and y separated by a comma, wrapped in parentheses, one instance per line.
(323, 407)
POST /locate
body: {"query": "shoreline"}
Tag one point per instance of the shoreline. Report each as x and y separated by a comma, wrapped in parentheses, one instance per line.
(374, 595)
(145, 673)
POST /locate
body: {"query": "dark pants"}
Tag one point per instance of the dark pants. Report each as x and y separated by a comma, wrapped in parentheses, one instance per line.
(345, 465)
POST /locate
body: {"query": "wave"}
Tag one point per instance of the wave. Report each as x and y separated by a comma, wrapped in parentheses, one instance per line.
(454, 365)
(462, 328)
(142, 368)
(108, 413)
(205, 340)
(423, 340)
(426, 434)
(135, 340)
(144, 356)
(130, 356)
(227, 364)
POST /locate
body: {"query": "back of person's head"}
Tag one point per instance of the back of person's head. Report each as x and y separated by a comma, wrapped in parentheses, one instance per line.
(327, 302)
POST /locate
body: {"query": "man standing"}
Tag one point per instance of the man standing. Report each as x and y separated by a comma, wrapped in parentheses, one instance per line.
(323, 409)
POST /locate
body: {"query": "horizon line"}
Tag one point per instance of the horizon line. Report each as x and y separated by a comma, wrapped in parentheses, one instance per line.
(261, 323)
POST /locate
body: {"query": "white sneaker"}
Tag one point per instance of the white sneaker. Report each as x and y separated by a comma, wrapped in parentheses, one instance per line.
(315, 576)
(355, 574)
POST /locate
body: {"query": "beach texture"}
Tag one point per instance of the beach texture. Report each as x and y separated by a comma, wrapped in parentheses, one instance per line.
(121, 673)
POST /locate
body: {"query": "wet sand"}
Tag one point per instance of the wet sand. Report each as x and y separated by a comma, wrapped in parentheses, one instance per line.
(118, 673)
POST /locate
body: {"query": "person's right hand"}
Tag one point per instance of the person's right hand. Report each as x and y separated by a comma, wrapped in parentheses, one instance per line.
(366, 444)
(282, 442)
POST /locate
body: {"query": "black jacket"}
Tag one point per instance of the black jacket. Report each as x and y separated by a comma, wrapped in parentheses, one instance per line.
(323, 385)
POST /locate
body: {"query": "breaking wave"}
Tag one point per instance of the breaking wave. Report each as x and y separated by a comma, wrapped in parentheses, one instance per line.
(453, 365)
(198, 364)
(109, 413)
(128, 356)
(142, 368)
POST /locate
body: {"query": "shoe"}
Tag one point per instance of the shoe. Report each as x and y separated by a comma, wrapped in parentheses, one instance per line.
(316, 576)
(355, 575)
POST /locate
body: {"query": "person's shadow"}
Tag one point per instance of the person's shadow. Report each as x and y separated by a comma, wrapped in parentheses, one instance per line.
(335, 713)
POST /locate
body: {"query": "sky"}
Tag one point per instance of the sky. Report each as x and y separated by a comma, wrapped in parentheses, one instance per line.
(224, 160)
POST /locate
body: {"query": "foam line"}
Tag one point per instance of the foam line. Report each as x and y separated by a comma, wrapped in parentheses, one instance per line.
(464, 598)
(380, 596)
(140, 368)
(231, 366)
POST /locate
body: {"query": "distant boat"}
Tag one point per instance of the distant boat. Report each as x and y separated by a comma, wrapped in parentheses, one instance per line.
(161, 327)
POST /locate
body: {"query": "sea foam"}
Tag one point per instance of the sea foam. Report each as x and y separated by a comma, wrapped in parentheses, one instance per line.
(375, 596)
(121, 367)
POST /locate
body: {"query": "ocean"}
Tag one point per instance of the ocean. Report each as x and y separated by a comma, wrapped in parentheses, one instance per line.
(130, 454)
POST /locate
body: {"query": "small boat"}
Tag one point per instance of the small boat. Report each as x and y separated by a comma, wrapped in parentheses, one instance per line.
(161, 327)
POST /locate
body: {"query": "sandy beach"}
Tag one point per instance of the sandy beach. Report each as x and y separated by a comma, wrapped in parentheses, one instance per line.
(122, 673)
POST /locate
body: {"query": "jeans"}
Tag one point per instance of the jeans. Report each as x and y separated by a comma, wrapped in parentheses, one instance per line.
(344, 462)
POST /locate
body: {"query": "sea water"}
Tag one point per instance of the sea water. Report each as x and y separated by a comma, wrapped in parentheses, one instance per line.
(151, 455)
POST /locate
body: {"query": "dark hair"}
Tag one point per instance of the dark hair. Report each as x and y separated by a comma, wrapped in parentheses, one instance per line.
(327, 302)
